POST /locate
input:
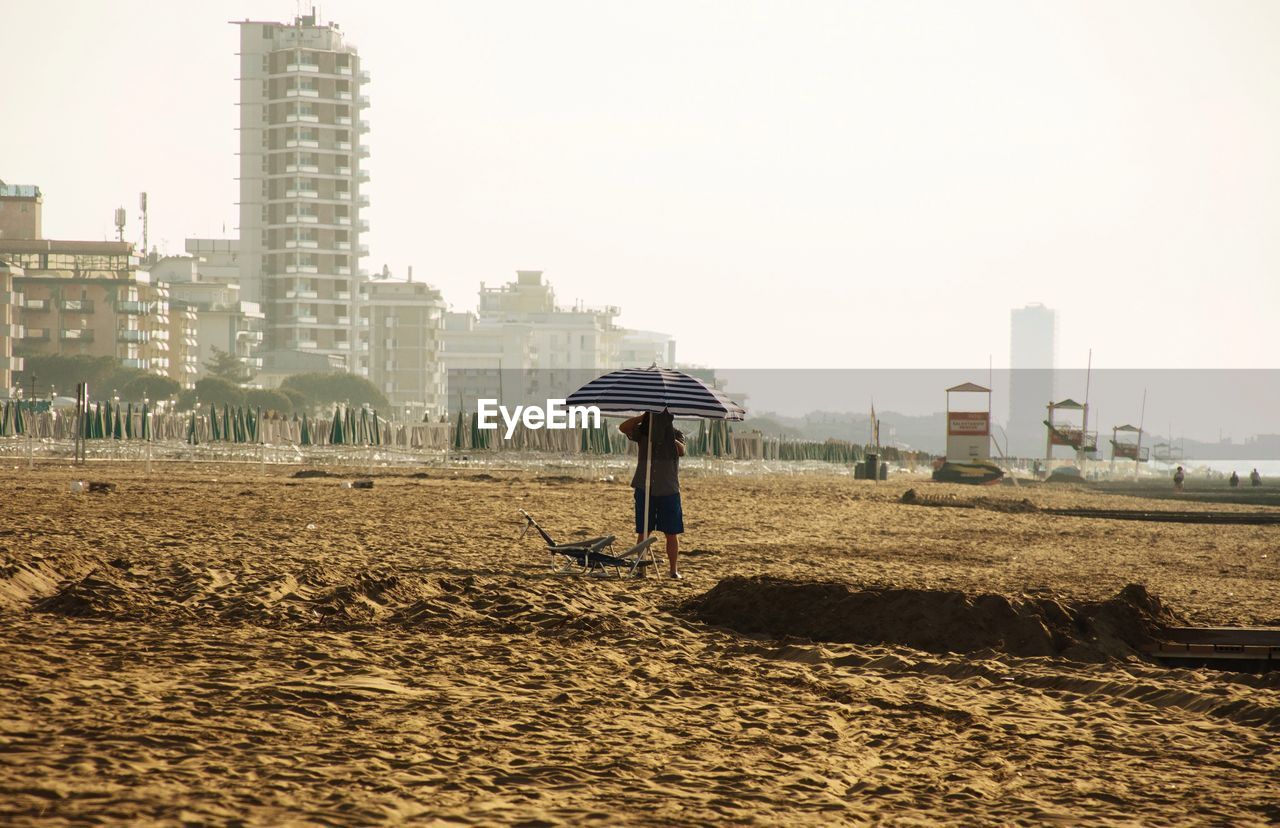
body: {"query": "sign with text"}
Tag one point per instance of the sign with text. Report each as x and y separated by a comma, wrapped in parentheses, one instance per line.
(968, 424)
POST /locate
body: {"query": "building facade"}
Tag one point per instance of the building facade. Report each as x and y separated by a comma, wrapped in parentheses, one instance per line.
(406, 325)
(1032, 358)
(92, 298)
(11, 331)
(210, 287)
(521, 346)
(20, 211)
(301, 156)
(640, 349)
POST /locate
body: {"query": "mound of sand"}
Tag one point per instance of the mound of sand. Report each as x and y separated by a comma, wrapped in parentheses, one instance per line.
(939, 621)
(992, 504)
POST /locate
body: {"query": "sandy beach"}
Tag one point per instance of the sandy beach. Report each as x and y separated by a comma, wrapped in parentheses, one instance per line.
(212, 645)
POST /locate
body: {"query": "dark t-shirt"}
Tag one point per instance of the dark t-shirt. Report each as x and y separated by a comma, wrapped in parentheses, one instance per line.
(666, 462)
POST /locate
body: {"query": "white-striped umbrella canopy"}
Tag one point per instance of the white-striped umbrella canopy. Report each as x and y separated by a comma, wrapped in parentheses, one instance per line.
(632, 391)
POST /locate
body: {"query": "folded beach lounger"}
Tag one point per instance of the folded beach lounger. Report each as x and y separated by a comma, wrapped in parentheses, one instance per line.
(589, 555)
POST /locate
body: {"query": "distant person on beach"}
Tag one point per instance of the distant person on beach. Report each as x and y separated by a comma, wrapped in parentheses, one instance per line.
(1255, 479)
(1178, 477)
(1235, 480)
(665, 513)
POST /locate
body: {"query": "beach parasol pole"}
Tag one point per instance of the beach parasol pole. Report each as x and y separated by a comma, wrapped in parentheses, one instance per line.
(146, 432)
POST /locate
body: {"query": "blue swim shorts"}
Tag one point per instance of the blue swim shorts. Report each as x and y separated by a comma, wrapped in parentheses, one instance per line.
(665, 514)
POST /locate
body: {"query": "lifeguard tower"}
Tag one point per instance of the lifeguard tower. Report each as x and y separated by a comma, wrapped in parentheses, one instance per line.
(1076, 437)
(1126, 449)
(968, 437)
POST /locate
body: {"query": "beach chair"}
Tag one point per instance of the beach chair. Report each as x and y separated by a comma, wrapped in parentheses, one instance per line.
(589, 555)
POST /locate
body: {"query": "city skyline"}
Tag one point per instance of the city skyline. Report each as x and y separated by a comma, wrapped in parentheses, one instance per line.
(790, 171)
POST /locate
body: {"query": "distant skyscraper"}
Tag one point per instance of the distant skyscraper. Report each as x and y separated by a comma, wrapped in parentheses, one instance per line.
(1032, 358)
(300, 177)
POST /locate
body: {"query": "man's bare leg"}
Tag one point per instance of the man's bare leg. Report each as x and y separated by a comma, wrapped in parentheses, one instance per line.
(673, 552)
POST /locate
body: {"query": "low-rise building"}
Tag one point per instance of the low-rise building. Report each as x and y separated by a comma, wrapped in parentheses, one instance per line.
(88, 297)
(521, 345)
(406, 324)
(640, 349)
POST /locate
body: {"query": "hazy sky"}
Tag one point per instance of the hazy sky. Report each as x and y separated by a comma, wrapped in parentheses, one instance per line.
(780, 184)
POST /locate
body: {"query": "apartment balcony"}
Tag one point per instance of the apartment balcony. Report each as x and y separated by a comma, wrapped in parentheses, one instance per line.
(343, 271)
(364, 223)
(363, 177)
(293, 118)
(134, 336)
(252, 362)
(344, 146)
(342, 120)
(363, 201)
(304, 168)
(342, 346)
(298, 294)
(344, 70)
(343, 320)
(344, 295)
(344, 220)
(301, 319)
(78, 305)
(37, 334)
(364, 76)
(303, 243)
(342, 245)
(43, 304)
(302, 344)
(79, 334)
(362, 250)
(301, 194)
(344, 171)
(342, 96)
(133, 307)
(302, 67)
(363, 152)
(302, 93)
(362, 125)
(363, 102)
(301, 269)
(304, 219)
(304, 143)
(249, 336)
(130, 362)
(345, 195)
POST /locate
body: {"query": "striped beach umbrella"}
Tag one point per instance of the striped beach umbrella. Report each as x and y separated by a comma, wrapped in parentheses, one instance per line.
(633, 391)
(146, 421)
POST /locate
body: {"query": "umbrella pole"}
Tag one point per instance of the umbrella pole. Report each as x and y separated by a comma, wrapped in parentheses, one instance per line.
(648, 478)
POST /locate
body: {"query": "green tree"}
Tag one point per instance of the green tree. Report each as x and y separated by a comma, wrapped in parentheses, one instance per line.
(151, 387)
(301, 402)
(330, 388)
(217, 390)
(268, 399)
(228, 366)
(65, 372)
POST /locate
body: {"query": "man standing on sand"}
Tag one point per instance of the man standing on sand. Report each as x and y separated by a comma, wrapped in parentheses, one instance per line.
(665, 514)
